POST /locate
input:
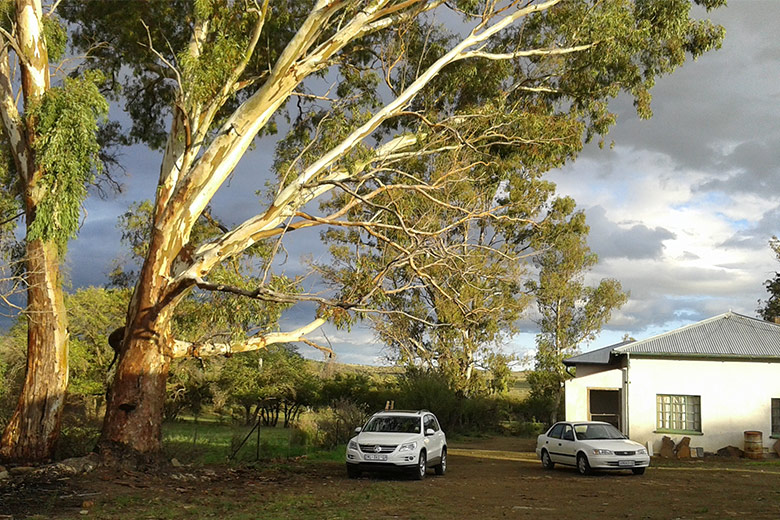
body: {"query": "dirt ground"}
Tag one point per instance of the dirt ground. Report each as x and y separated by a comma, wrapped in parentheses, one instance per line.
(494, 478)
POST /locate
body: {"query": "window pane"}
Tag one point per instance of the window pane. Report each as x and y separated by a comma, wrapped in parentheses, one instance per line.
(680, 412)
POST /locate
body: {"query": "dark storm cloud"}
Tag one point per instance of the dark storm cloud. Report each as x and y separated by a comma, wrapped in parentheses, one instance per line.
(723, 100)
(635, 241)
(756, 165)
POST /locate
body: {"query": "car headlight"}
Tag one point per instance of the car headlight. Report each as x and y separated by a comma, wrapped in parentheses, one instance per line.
(641, 451)
(409, 446)
(352, 445)
(602, 452)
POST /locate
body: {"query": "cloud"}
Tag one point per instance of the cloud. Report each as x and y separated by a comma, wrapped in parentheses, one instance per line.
(613, 240)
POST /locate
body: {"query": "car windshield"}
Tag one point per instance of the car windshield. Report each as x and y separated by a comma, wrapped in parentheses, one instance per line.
(597, 432)
(393, 424)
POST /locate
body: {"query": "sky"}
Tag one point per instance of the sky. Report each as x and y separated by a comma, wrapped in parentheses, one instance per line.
(680, 209)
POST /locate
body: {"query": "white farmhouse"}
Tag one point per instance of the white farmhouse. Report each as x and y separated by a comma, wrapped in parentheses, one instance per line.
(710, 381)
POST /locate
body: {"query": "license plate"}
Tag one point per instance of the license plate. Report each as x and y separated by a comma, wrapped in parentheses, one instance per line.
(625, 463)
(370, 456)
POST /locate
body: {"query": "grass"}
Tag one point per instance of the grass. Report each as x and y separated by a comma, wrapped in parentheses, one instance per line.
(309, 503)
(209, 442)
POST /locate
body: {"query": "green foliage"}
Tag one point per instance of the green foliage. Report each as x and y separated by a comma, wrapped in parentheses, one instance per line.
(13, 360)
(148, 85)
(66, 148)
(93, 313)
(267, 384)
(204, 75)
(571, 313)
(56, 36)
(769, 309)
(432, 391)
(355, 388)
(189, 388)
(435, 241)
(331, 426)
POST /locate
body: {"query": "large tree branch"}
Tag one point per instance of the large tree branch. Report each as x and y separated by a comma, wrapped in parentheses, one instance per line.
(251, 230)
(269, 295)
(186, 349)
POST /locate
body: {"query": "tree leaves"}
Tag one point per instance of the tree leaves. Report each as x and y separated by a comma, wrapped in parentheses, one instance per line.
(66, 147)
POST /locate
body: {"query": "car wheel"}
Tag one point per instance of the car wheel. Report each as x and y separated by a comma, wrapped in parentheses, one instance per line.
(441, 467)
(419, 472)
(352, 471)
(583, 466)
(547, 462)
(638, 471)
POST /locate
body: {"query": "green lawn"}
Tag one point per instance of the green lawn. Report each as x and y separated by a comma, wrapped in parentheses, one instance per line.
(212, 442)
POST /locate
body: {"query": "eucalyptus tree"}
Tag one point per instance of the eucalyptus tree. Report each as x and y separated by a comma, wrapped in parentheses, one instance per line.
(50, 154)
(368, 86)
(571, 312)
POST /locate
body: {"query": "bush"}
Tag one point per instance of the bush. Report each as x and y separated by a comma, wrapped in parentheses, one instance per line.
(305, 433)
(457, 413)
(329, 427)
(535, 408)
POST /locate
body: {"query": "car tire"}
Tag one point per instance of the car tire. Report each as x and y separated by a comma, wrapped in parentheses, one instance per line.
(353, 471)
(419, 470)
(441, 467)
(547, 462)
(583, 466)
(638, 471)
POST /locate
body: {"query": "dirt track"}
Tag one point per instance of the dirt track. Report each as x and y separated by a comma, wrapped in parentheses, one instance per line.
(487, 479)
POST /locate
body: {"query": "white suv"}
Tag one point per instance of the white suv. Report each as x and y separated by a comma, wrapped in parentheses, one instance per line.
(398, 439)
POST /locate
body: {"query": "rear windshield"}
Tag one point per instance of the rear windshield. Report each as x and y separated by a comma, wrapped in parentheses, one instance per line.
(393, 424)
(597, 432)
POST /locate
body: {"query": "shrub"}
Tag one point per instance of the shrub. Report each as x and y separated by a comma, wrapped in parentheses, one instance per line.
(305, 432)
(331, 426)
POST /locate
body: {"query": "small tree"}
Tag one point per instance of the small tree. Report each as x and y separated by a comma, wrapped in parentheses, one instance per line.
(769, 309)
(571, 312)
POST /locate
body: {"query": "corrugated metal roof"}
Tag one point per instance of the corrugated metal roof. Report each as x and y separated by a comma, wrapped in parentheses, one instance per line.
(727, 335)
(594, 357)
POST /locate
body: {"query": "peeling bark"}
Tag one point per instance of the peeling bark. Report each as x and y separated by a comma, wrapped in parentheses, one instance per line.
(32, 433)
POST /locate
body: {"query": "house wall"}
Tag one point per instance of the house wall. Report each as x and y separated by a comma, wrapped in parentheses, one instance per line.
(735, 397)
(601, 377)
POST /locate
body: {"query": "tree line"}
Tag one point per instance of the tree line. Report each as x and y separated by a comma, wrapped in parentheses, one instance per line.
(416, 137)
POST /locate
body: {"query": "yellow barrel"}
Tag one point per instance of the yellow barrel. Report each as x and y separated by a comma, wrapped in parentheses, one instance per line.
(754, 445)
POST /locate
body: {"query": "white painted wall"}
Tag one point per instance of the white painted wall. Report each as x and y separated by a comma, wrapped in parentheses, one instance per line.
(735, 396)
(588, 377)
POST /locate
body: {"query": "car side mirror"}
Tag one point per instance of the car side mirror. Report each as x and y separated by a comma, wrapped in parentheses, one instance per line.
(429, 432)
(358, 429)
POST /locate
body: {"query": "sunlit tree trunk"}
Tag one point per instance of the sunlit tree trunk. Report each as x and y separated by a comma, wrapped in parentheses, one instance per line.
(134, 411)
(32, 432)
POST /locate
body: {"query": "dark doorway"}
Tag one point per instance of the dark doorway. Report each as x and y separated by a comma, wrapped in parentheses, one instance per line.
(604, 405)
